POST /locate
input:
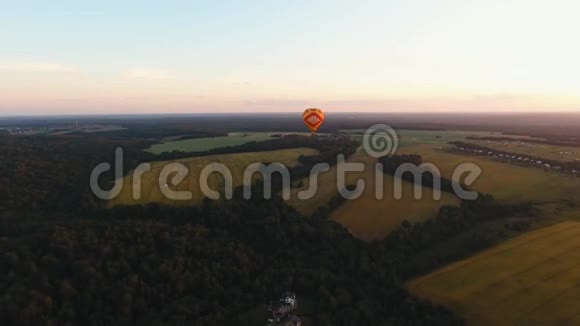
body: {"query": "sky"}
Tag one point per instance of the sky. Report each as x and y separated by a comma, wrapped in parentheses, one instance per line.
(112, 57)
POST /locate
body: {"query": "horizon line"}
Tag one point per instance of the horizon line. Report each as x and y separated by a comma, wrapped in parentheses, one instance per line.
(56, 115)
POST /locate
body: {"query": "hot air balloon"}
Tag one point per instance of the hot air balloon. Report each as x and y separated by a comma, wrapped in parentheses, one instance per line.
(313, 118)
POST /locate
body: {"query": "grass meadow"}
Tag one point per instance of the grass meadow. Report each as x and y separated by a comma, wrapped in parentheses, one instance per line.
(532, 279)
(237, 163)
(209, 143)
(508, 182)
(366, 217)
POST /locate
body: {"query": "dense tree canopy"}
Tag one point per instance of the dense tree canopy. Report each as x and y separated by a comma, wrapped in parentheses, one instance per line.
(217, 264)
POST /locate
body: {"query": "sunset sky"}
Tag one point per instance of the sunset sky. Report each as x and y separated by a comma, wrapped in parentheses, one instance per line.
(72, 57)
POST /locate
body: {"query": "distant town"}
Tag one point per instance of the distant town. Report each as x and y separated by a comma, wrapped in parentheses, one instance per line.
(572, 168)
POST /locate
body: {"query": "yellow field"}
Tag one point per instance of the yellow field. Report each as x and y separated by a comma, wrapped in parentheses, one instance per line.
(237, 163)
(533, 279)
(366, 217)
(503, 180)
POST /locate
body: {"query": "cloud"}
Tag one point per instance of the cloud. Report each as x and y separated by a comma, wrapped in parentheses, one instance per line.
(145, 73)
(37, 67)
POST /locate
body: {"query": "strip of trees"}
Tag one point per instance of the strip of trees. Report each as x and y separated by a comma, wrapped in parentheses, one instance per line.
(391, 163)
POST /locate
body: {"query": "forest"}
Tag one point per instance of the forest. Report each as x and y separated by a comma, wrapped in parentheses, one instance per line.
(68, 260)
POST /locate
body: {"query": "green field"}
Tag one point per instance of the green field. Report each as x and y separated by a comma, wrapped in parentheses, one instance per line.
(366, 217)
(236, 163)
(413, 137)
(505, 181)
(206, 144)
(533, 279)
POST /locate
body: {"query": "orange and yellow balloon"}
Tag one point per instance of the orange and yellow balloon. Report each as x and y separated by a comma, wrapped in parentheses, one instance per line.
(313, 118)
